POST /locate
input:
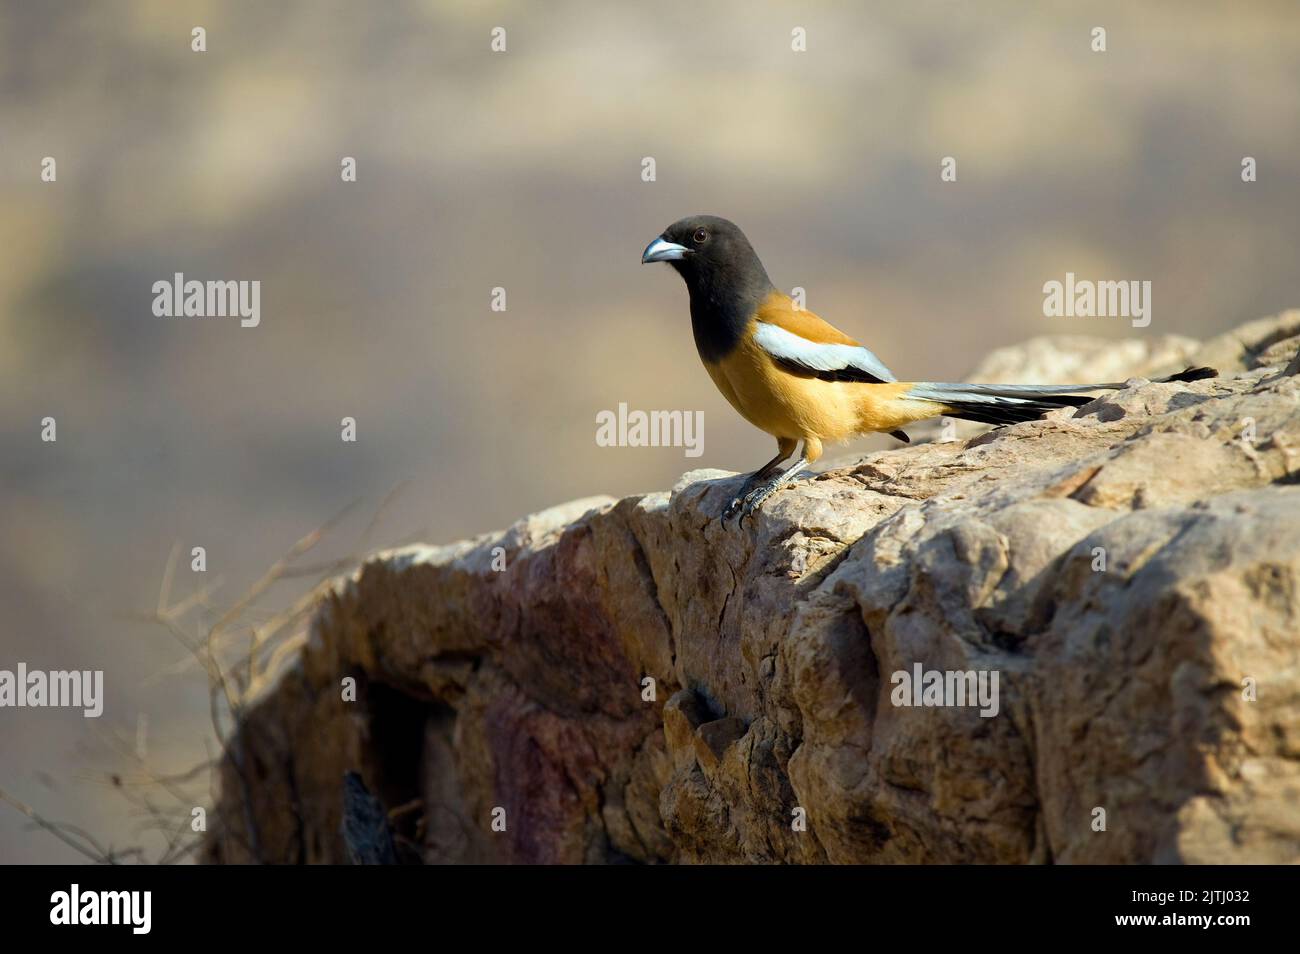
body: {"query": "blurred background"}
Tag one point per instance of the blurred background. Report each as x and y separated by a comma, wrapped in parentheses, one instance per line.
(522, 169)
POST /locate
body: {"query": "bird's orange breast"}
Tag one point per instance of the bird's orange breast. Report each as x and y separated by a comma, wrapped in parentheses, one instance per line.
(798, 407)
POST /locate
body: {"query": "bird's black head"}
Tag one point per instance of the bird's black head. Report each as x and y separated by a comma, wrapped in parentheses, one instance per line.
(722, 272)
(707, 251)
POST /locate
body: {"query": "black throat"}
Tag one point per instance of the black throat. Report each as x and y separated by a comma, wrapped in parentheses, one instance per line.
(723, 302)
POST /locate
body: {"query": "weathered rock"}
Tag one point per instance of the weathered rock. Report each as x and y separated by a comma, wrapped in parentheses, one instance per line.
(641, 683)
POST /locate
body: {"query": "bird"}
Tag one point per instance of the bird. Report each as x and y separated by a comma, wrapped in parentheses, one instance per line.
(794, 375)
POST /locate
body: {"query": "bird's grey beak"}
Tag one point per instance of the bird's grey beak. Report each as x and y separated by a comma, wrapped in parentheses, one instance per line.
(662, 250)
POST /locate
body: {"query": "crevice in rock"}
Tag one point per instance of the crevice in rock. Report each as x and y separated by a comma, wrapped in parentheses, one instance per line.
(395, 757)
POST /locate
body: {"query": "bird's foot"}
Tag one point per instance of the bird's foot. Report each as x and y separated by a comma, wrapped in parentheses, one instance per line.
(737, 504)
(750, 498)
(757, 496)
(745, 492)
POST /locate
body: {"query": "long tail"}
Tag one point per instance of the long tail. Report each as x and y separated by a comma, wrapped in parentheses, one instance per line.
(1013, 403)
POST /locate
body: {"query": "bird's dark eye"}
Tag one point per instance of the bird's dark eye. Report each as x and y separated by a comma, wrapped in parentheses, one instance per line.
(700, 236)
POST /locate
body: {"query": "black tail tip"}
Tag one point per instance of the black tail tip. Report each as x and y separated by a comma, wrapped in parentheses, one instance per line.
(1193, 374)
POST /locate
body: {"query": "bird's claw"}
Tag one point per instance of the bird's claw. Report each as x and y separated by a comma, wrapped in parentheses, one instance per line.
(742, 497)
(749, 500)
(755, 500)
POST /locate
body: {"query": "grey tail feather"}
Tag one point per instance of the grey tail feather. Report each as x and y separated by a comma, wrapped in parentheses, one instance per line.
(1013, 403)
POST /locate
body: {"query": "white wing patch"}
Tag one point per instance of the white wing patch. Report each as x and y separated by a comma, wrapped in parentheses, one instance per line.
(787, 346)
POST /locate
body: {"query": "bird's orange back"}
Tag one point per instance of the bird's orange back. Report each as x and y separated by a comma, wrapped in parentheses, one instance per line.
(779, 309)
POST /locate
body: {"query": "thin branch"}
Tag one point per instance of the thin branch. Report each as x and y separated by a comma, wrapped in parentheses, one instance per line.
(91, 848)
(235, 674)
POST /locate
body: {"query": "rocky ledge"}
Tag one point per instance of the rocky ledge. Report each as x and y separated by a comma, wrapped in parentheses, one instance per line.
(629, 680)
